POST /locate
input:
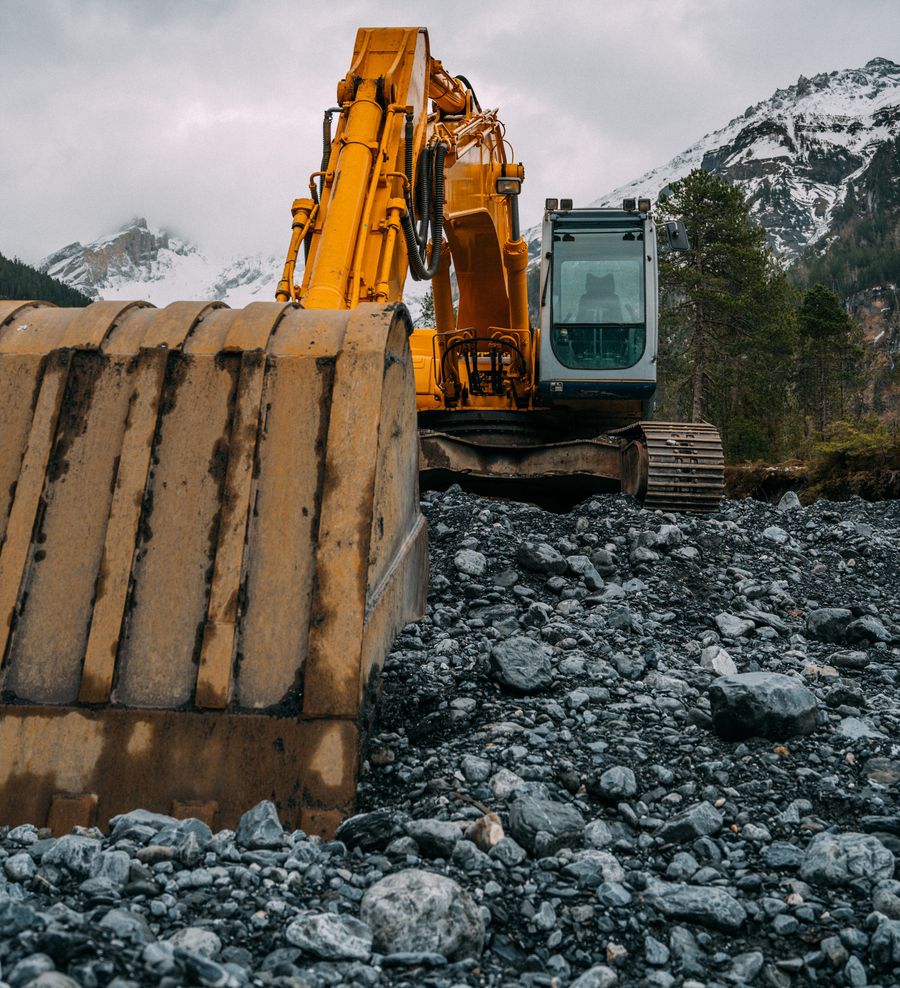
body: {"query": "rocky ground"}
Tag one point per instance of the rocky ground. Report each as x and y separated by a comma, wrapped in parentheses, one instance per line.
(622, 748)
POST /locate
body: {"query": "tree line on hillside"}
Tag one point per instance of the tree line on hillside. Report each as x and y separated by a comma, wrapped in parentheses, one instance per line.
(19, 280)
(742, 346)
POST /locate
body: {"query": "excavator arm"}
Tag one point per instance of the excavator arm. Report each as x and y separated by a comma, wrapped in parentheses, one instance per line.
(396, 177)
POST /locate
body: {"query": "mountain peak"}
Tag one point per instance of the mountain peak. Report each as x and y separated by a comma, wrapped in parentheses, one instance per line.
(884, 65)
(796, 154)
(140, 261)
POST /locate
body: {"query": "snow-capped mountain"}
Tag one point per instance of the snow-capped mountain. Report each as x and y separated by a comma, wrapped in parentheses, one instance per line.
(139, 262)
(796, 154)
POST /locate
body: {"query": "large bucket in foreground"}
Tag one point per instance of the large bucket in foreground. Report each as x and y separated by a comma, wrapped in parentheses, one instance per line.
(209, 535)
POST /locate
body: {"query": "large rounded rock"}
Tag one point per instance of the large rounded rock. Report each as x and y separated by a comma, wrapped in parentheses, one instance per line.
(828, 623)
(73, 852)
(436, 838)
(470, 562)
(417, 911)
(330, 936)
(600, 976)
(699, 820)
(867, 629)
(541, 558)
(521, 665)
(707, 905)
(761, 704)
(885, 946)
(613, 785)
(543, 826)
(837, 859)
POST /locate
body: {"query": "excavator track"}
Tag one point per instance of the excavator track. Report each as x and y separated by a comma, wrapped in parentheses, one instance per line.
(677, 466)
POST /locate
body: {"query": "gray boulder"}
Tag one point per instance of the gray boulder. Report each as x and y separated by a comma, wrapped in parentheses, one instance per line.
(600, 976)
(128, 926)
(543, 826)
(260, 828)
(470, 562)
(417, 911)
(28, 969)
(541, 558)
(838, 859)
(330, 936)
(707, 905)
(198, 940)
(761, 704)
(435, 838)
(138, 825)
(732, 626)
(74, 853)
(582, 567)
(851, 659)
(53, 979)
(19, 867)
(867, 629)
(521, 665)
(828, 624)
(715, 659)
(699, 820)
(370, 831)
(593, 868)
(114, 865)
(884, 949)
(783, 856)
(615, 784)
(789, 502)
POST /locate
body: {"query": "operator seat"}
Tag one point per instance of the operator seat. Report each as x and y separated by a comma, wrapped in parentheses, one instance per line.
(600, 303)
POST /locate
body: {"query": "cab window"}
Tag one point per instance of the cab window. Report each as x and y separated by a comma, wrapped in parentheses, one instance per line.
(598, 299)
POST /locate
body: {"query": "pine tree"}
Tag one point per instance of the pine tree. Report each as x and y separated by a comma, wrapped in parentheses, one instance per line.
(19, 280)
(828, 358)
(727, 329)
(426, 313)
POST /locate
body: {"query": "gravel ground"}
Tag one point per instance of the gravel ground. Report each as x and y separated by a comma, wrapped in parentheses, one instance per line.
(621, 748)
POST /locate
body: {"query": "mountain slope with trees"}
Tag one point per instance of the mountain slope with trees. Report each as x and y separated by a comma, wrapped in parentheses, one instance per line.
(19, 280)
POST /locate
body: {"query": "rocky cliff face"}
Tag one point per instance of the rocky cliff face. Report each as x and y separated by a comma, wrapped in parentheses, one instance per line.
(819, 165)
(797, 155)
(139, 262)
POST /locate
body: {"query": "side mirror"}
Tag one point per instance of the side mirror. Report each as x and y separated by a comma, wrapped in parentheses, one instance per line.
(677, 235)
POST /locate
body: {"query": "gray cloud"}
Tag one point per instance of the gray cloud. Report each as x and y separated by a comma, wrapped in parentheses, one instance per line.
(205, 116)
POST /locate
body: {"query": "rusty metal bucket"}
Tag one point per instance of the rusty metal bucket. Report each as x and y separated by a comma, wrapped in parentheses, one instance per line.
(209, 535)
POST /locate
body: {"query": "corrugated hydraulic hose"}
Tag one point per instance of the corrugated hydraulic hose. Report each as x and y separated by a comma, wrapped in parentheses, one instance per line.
(430, 194)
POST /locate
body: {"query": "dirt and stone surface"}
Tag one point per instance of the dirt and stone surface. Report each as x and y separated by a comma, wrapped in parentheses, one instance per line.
(621, 748)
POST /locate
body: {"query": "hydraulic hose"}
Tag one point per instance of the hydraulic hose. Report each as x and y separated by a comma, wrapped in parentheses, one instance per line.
(468, 86)
(431, 170)
(326, 143)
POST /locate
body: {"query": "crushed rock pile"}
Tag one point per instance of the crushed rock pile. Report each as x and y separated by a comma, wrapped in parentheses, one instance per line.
(621, 748)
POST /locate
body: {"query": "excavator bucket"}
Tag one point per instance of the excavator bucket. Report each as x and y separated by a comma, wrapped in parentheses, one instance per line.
(209, 535)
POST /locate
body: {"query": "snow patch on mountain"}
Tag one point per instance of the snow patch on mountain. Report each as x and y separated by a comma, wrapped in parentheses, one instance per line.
(144, 263)
(795, 154)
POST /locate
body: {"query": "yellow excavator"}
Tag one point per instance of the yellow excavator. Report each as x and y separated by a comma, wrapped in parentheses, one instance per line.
(209, 518)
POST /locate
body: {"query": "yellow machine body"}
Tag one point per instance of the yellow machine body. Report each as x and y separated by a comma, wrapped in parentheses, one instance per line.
(209, 519)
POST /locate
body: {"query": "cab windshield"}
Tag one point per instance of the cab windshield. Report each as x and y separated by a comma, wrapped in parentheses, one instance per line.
(598, 303)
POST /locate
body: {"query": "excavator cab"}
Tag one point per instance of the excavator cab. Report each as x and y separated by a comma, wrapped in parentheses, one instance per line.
(598, 307)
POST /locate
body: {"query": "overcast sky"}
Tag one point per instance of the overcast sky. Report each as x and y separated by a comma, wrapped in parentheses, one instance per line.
(205, 115)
